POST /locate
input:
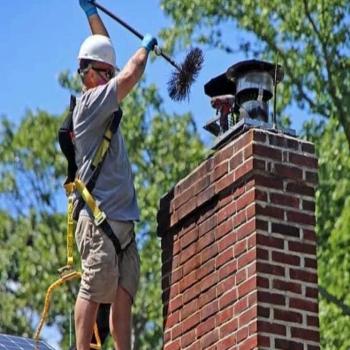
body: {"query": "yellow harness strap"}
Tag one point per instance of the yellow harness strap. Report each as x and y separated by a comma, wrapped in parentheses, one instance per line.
(103, 148)
(70, 223)
(98, 214)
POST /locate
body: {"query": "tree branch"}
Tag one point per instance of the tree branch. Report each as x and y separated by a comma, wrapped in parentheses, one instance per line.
(334, 300)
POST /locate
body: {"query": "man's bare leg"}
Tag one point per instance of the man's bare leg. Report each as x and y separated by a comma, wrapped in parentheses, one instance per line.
(120, 319)
(85, 317)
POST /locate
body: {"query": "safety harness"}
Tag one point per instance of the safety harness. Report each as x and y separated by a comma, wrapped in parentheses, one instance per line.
(73, 185)
(66, 141)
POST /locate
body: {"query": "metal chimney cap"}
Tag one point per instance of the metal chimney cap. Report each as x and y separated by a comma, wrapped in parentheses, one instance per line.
(241, 68)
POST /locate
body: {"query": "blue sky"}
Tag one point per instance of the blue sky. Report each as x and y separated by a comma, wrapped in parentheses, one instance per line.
(40, 38)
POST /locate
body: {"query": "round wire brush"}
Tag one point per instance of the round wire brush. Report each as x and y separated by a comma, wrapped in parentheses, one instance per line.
(182, 78)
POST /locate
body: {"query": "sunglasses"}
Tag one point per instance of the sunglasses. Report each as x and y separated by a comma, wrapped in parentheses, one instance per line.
(109, 73)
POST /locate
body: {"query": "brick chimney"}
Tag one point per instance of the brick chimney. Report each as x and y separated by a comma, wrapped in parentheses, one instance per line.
(238, 239)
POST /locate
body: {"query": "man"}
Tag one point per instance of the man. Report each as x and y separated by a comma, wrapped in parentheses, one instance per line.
(107, 278)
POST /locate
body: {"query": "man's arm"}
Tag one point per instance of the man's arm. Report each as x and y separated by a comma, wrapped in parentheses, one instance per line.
(95, 21)
(133, 70)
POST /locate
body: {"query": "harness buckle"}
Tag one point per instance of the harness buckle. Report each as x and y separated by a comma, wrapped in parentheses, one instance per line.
(99, 218)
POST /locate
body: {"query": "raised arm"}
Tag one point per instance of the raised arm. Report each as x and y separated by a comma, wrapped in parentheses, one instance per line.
(95, 21)
(133, 70)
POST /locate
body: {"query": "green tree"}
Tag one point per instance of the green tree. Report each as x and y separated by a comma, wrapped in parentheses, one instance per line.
(162, 149)
(310, 39)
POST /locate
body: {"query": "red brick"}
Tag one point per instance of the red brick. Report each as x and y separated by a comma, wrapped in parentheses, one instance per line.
(289, 172)
(312, 321)
(308, 148)
(287, 316)
(271, 298)
(285, 258)
(227, 343)
(288, 344)
(191, 264)
(189, 237)
(219, 171)
(206, 269)
(292, 287)
(302, 304)
(273, 328)
(245, 200)
(206, 326)
(284, 200)
(187, 253)
(224, 228)
(248, 316)
(189, 309)
(209, 310)
(311, 292)
(246, 229)
(303, 275)
(175, 345)
(228, 328)
(250, 343)
(223, 154)
(207, 297)
(244, 169)
(305, 334)
(224, 316)
(209, 339)
(270, 269)
(303, 160)
(190, 322)
(226, 212)
(228, 299)
(224, 182)
(209, 253)
(301, 218)
(286, 230)
(207, 225)
(247, 287)
(171, 320)
(227, 284)
(242, 334)
(236, 160)
(175, 303)
(283, 141)
(227, 269)
(247, 258)
(270, 211)
(300, 189)
(269, 241)
(208, 282)
(269, 182)
(205, 195)
(308, 206)
(302, 247)
(188, 338)
(267, 152)
(224, 257)
(263, 340)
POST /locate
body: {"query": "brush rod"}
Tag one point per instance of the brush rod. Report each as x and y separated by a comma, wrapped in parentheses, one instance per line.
(157, 50)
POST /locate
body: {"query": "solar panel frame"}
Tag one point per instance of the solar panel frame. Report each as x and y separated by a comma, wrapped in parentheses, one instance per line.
(13, 342)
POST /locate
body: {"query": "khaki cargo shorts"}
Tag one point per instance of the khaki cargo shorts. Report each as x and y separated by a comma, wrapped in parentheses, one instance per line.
(103, 270)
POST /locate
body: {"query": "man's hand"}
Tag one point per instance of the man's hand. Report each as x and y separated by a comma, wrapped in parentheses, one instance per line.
(88, 7)
(149, 42)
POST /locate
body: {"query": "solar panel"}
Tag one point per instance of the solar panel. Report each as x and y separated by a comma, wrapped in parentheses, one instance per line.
(11, 342)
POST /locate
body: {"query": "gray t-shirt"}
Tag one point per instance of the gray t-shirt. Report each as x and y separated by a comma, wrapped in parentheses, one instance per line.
(114, 190)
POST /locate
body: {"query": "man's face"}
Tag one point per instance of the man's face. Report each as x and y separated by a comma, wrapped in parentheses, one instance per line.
(99, 73)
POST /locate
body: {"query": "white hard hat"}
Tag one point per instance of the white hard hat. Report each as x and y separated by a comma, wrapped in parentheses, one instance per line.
(98, 48)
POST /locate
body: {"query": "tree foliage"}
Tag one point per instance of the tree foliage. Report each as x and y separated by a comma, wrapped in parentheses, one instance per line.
(162, 149)
(310, 39)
